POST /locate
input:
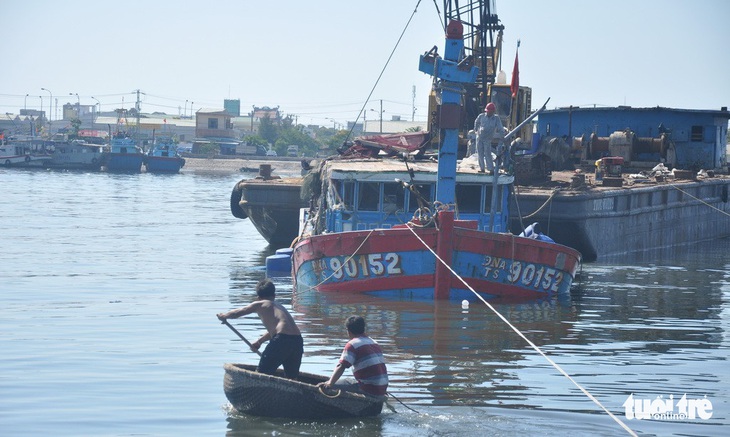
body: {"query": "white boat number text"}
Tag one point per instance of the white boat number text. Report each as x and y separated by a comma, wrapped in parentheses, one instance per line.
(374, 264)
(525, 273)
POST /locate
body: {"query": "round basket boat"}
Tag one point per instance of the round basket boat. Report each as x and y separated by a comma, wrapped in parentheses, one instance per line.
(258, 394)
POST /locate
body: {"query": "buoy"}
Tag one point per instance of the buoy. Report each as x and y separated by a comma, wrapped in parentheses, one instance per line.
(278, 265)
(465, 303)
(285, 251)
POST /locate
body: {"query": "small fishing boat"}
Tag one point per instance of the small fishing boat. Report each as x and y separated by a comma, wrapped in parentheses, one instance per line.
(23, 152)
(124, 155)
(264, 395)
(75, 154)
(163, 157)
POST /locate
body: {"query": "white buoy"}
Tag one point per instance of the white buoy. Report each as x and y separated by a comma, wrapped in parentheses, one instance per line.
(465, 303)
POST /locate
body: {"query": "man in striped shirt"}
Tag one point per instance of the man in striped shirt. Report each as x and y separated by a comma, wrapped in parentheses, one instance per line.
(365, 357)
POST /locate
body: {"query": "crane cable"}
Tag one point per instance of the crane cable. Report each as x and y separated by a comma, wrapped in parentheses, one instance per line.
(383, 71)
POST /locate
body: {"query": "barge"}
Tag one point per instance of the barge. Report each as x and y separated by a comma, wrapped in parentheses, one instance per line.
(603, 221)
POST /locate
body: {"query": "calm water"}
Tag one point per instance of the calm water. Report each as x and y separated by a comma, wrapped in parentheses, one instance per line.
(109, 286)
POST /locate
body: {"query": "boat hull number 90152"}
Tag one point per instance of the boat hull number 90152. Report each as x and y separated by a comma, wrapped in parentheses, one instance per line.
(527, 274)
(373, 264)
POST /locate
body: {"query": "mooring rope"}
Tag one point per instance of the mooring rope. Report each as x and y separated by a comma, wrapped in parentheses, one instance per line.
(697, 199)
(547, 201)
(345, 262)
(519, 333)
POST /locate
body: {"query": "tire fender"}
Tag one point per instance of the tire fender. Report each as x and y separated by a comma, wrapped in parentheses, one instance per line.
(235, 199)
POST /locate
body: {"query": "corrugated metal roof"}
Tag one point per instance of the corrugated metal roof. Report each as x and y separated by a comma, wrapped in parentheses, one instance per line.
(387, 170)
(149, 121)
(216, 111)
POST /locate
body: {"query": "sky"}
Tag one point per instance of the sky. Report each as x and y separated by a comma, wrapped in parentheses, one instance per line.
(321, 60)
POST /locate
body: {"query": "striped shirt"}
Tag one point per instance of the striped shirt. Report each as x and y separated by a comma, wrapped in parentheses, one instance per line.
(368, 364)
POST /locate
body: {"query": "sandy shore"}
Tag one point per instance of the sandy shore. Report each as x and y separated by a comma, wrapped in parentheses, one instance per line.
(240, 165)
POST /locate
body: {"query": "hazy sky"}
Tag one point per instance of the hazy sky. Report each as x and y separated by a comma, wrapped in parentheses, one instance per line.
(319, 59)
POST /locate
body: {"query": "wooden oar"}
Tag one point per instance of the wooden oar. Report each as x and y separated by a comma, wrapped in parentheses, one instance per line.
(225, 322)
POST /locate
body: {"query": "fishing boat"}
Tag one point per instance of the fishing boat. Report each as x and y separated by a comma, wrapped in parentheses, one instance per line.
(456, 245)
(23, 152)
(259, 394)
(163, 157)
(124, 155)
(75, 154)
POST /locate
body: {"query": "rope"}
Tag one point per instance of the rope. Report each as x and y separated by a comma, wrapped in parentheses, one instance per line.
(699, 200)
(343, 264)
(339, 392)
(543, 205)
(533, 345)
(399, 401)
(367, 100)
(517, 204)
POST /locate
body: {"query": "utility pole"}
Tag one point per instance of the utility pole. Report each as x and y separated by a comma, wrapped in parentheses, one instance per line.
(381, 116)
(413, 105)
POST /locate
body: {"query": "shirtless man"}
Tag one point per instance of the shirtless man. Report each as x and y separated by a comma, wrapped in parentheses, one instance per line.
(286, 346)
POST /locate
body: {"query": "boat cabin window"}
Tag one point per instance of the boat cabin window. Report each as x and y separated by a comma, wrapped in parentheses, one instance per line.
(394, 198)
(346, 189)
(426, 192)
(212, 123)
(368, 196)
(468, 198)
(488, 198)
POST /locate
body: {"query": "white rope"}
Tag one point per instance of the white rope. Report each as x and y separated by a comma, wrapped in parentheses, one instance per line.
(314, 287)
(700, 200)
(533, 345)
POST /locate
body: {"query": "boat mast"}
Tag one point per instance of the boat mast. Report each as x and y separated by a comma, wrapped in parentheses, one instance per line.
(483, 41)
(136, 131)
(451, 73)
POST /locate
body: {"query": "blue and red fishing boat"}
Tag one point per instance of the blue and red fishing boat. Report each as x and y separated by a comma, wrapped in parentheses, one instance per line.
(408, 229)
(124, 155)
(163, 157)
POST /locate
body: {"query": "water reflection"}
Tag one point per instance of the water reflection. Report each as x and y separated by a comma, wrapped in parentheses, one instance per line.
(439, 352)
(651, 329)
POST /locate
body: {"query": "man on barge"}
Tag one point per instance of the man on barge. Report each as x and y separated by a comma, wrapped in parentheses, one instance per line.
(488, 128)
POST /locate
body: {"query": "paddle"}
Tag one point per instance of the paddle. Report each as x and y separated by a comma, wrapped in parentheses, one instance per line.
(225, 322)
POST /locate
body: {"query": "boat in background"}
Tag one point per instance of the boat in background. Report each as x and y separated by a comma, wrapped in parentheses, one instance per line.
(259, 394)
(124, 155)
(163, 157)
(271, 203)
(21, 151)
(75, 155)
(457, 244)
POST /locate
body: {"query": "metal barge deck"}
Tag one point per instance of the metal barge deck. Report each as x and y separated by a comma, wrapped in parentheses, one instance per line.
(603, 221)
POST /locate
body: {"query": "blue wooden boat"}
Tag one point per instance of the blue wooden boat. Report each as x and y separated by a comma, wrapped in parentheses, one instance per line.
(124, 155)
(457, 239)
(163, 157)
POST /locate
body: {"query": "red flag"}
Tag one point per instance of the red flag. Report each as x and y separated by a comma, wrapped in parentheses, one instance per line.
(515, 86)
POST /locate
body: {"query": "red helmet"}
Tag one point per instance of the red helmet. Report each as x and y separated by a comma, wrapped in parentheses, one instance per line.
(490, 107)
